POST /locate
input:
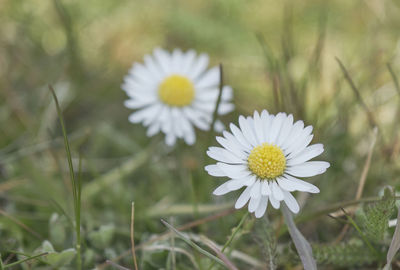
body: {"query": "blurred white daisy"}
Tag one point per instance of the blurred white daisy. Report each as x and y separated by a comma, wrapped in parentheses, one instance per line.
(266, 155)
(172, 92)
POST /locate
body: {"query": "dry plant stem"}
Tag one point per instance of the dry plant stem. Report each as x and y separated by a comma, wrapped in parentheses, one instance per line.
(192, 244)
(361, 182)
(370, 115)
(181, 228)
(394, 77)
(395, 148)
(116, 265)
(22, 225)
(219, 253)
(133, 236)
(235, 231)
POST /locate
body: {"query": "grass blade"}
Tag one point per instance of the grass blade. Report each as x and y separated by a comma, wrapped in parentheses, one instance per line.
(24, 260)
(133, 235)
(76, 187)
(302, 245)
(192, 244)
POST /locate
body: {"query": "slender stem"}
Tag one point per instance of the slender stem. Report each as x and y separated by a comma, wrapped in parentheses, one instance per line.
(76, 188)
(235, 231)
(394, 77)
(221, 86)
(351, 220)
(24, 260)
(1, 263)
(132, 235)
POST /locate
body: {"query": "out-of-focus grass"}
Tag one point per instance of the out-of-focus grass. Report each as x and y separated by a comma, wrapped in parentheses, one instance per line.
(84, 48)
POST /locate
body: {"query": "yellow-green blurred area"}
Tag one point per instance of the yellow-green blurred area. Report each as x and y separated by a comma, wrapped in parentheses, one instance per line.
(276, 55)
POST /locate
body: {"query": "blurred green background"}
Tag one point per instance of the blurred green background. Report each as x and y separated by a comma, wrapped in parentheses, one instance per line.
(277, 55)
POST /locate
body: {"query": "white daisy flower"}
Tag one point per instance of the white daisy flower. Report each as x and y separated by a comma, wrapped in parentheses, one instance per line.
(172, 92)
(266, 155)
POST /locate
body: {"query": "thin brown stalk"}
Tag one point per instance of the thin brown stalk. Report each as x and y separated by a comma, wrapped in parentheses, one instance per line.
(219, 253)
(371, 119)
(167, 234)
(361, 182)
(132, 235)
(22, 225)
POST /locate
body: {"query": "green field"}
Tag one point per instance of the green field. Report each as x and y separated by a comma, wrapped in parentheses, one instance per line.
(283, 56)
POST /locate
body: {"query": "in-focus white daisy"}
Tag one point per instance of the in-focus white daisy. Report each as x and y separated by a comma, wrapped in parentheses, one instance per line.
(172, 92)
(266, 155)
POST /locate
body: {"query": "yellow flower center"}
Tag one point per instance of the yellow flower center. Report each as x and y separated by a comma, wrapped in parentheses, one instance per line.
(176, 90)
(267, 161)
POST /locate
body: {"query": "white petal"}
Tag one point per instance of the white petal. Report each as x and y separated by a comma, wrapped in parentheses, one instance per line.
(226, 187)
(308, 169)
(247, 131)
(232, 147)
(250, 180)
(258, 128)
(239, 137)
(254, 202)
(243, 198)
(209, 79)
(293, 135)
(163, 58)
(188, 132)
(142, 114)
(235, 184)
(291, 202)
(291, 183)
(285, 130)
(301, 143)
(197, 119)
(152, 66)
(153, 129)
(276, 127)
(187, 61)
(256, 190)
(214, 170)
(170, 139)
(276, 191)
(305, 155)
(176, 60)
(222, 189)
(262, 206)
(225, 108)
(267, 127)
(198, 67)
(265, 188)
(137, 103)
(275, 204)
(219, 126)
(142, 74)
(223, 155)
(234, 171)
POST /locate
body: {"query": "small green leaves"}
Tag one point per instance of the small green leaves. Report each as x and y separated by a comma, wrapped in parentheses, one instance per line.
(374, 218)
